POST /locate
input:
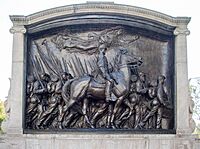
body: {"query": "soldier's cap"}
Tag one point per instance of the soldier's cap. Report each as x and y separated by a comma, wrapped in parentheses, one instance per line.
(161, 77)
(141, 74)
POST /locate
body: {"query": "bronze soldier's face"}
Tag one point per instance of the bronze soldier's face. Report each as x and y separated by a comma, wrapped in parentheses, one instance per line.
(43, 77)
(142, 78)
(64, 77)
(161, 79)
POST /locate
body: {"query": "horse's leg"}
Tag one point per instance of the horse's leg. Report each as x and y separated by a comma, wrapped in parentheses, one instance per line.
(127, 102)
(116, 107)
(71, 102)
(85, 106)
(99, 112)
(137, 115)
(110, 112)
(159, 118)
(68, 119)
(124, 115)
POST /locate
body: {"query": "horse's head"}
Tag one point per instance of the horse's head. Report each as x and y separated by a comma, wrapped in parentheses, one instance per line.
(129, 59)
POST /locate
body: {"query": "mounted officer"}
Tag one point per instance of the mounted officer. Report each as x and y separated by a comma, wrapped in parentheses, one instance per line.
(102, 64)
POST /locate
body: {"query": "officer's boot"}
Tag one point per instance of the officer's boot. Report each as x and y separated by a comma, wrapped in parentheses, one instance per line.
(108, 91)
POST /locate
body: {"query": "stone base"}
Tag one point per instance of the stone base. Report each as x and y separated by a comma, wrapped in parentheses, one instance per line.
(98, 141)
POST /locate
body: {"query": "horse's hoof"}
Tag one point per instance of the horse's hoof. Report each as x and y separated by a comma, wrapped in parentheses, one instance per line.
(108, 126)
(92, 126)
(113, 126)
(139, 127)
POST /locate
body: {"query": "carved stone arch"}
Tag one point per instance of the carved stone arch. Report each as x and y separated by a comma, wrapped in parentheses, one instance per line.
(99, 13)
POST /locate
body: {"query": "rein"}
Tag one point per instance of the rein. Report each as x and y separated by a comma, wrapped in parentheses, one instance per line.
(127, 65)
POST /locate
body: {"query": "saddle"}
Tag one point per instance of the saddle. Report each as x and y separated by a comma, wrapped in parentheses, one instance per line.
(95, 84)
(98, 82)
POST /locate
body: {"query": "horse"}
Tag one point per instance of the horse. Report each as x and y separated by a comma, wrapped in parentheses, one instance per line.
(87, 87)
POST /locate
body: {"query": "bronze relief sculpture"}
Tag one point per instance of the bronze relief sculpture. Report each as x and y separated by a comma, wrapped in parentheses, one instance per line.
(99, 78)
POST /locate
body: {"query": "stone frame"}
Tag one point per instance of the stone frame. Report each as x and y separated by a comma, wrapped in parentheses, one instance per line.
(16, 97)
(140, 26)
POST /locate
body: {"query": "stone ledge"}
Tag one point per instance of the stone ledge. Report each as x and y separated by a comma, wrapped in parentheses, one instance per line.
(98, 7)
(79, 136)
(97, 141)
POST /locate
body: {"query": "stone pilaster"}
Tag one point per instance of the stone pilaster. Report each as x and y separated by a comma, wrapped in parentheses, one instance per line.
(17, 81)
(182, 105)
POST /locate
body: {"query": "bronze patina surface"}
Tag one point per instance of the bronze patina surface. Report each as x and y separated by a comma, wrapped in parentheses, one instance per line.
(101, 76)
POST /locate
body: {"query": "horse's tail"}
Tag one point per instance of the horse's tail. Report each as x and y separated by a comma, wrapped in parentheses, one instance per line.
(66, 90)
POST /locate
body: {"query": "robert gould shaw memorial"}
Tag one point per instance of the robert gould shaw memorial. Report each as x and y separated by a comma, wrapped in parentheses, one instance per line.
(99, 75)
